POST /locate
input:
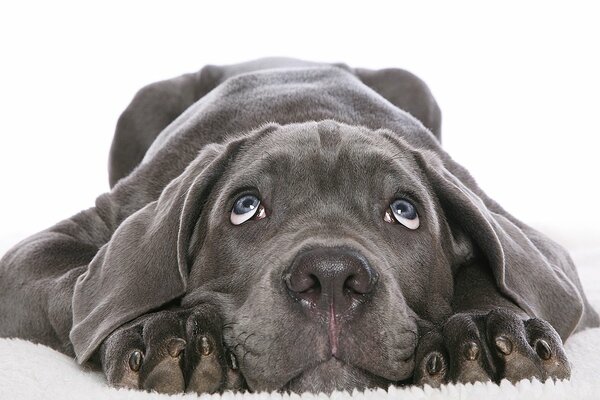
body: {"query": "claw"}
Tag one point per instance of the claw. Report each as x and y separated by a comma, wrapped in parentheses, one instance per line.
(233, 360)
(176, 346)
(542, 348)
(135, 360)
(434, 364)
(471, 351)
(205, 347)
(504, 345)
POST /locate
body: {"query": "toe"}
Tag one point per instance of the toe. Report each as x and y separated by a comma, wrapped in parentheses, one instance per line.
(515, 359)
(206, 365)
(431, 360)
(469, 361)
(162, 372)
(122, 356)
(207, 375)
(548, 347)
(235, 380)
(165, 377)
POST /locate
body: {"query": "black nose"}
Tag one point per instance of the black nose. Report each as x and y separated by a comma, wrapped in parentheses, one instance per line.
(330, 279)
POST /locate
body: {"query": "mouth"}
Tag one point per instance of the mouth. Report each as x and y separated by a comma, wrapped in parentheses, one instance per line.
(334, 375)
(320, 372)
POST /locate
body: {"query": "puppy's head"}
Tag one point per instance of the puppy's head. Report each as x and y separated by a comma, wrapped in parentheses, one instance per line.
(324, 245)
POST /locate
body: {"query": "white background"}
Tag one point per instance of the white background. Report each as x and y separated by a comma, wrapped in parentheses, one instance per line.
(518, 84)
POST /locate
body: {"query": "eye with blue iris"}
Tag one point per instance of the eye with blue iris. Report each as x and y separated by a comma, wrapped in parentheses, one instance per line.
(245, 208)
(404, 212)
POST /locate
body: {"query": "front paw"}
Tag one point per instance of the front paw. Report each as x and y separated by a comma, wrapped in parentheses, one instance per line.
(171, 352)
(498, 345)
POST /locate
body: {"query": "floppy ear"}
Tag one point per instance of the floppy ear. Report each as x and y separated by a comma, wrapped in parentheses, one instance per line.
(530, 269)
(144, 265)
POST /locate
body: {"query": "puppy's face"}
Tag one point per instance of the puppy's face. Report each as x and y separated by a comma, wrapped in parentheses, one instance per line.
(324, 246)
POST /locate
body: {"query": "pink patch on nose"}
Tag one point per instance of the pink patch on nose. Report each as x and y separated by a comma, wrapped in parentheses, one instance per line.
(333, 331)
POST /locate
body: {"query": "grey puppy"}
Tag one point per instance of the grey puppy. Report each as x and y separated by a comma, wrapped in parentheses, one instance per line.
(286, 225)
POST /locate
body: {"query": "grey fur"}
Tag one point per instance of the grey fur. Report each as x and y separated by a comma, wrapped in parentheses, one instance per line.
(327, 147)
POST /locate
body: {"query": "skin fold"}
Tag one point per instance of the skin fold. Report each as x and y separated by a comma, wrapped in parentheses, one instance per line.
(322, 288)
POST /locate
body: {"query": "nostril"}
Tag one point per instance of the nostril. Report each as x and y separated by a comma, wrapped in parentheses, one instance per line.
(301, 283)
(304, 287)
(352, 285)
(362, 282)
(313, 284)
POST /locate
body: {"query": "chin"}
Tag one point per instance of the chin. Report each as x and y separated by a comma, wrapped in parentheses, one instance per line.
(333, 375)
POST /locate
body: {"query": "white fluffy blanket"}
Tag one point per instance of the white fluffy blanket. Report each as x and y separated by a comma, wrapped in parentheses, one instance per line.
(29, 371)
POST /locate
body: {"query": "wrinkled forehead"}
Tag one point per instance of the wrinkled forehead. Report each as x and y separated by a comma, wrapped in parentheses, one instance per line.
(329, 153)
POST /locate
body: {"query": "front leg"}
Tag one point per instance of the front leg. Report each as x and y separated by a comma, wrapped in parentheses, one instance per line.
(488, 338)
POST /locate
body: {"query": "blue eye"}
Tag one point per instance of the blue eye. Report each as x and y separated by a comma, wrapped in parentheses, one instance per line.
(404, 212)
(404, 209)
(246, 207)
(246, 204)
